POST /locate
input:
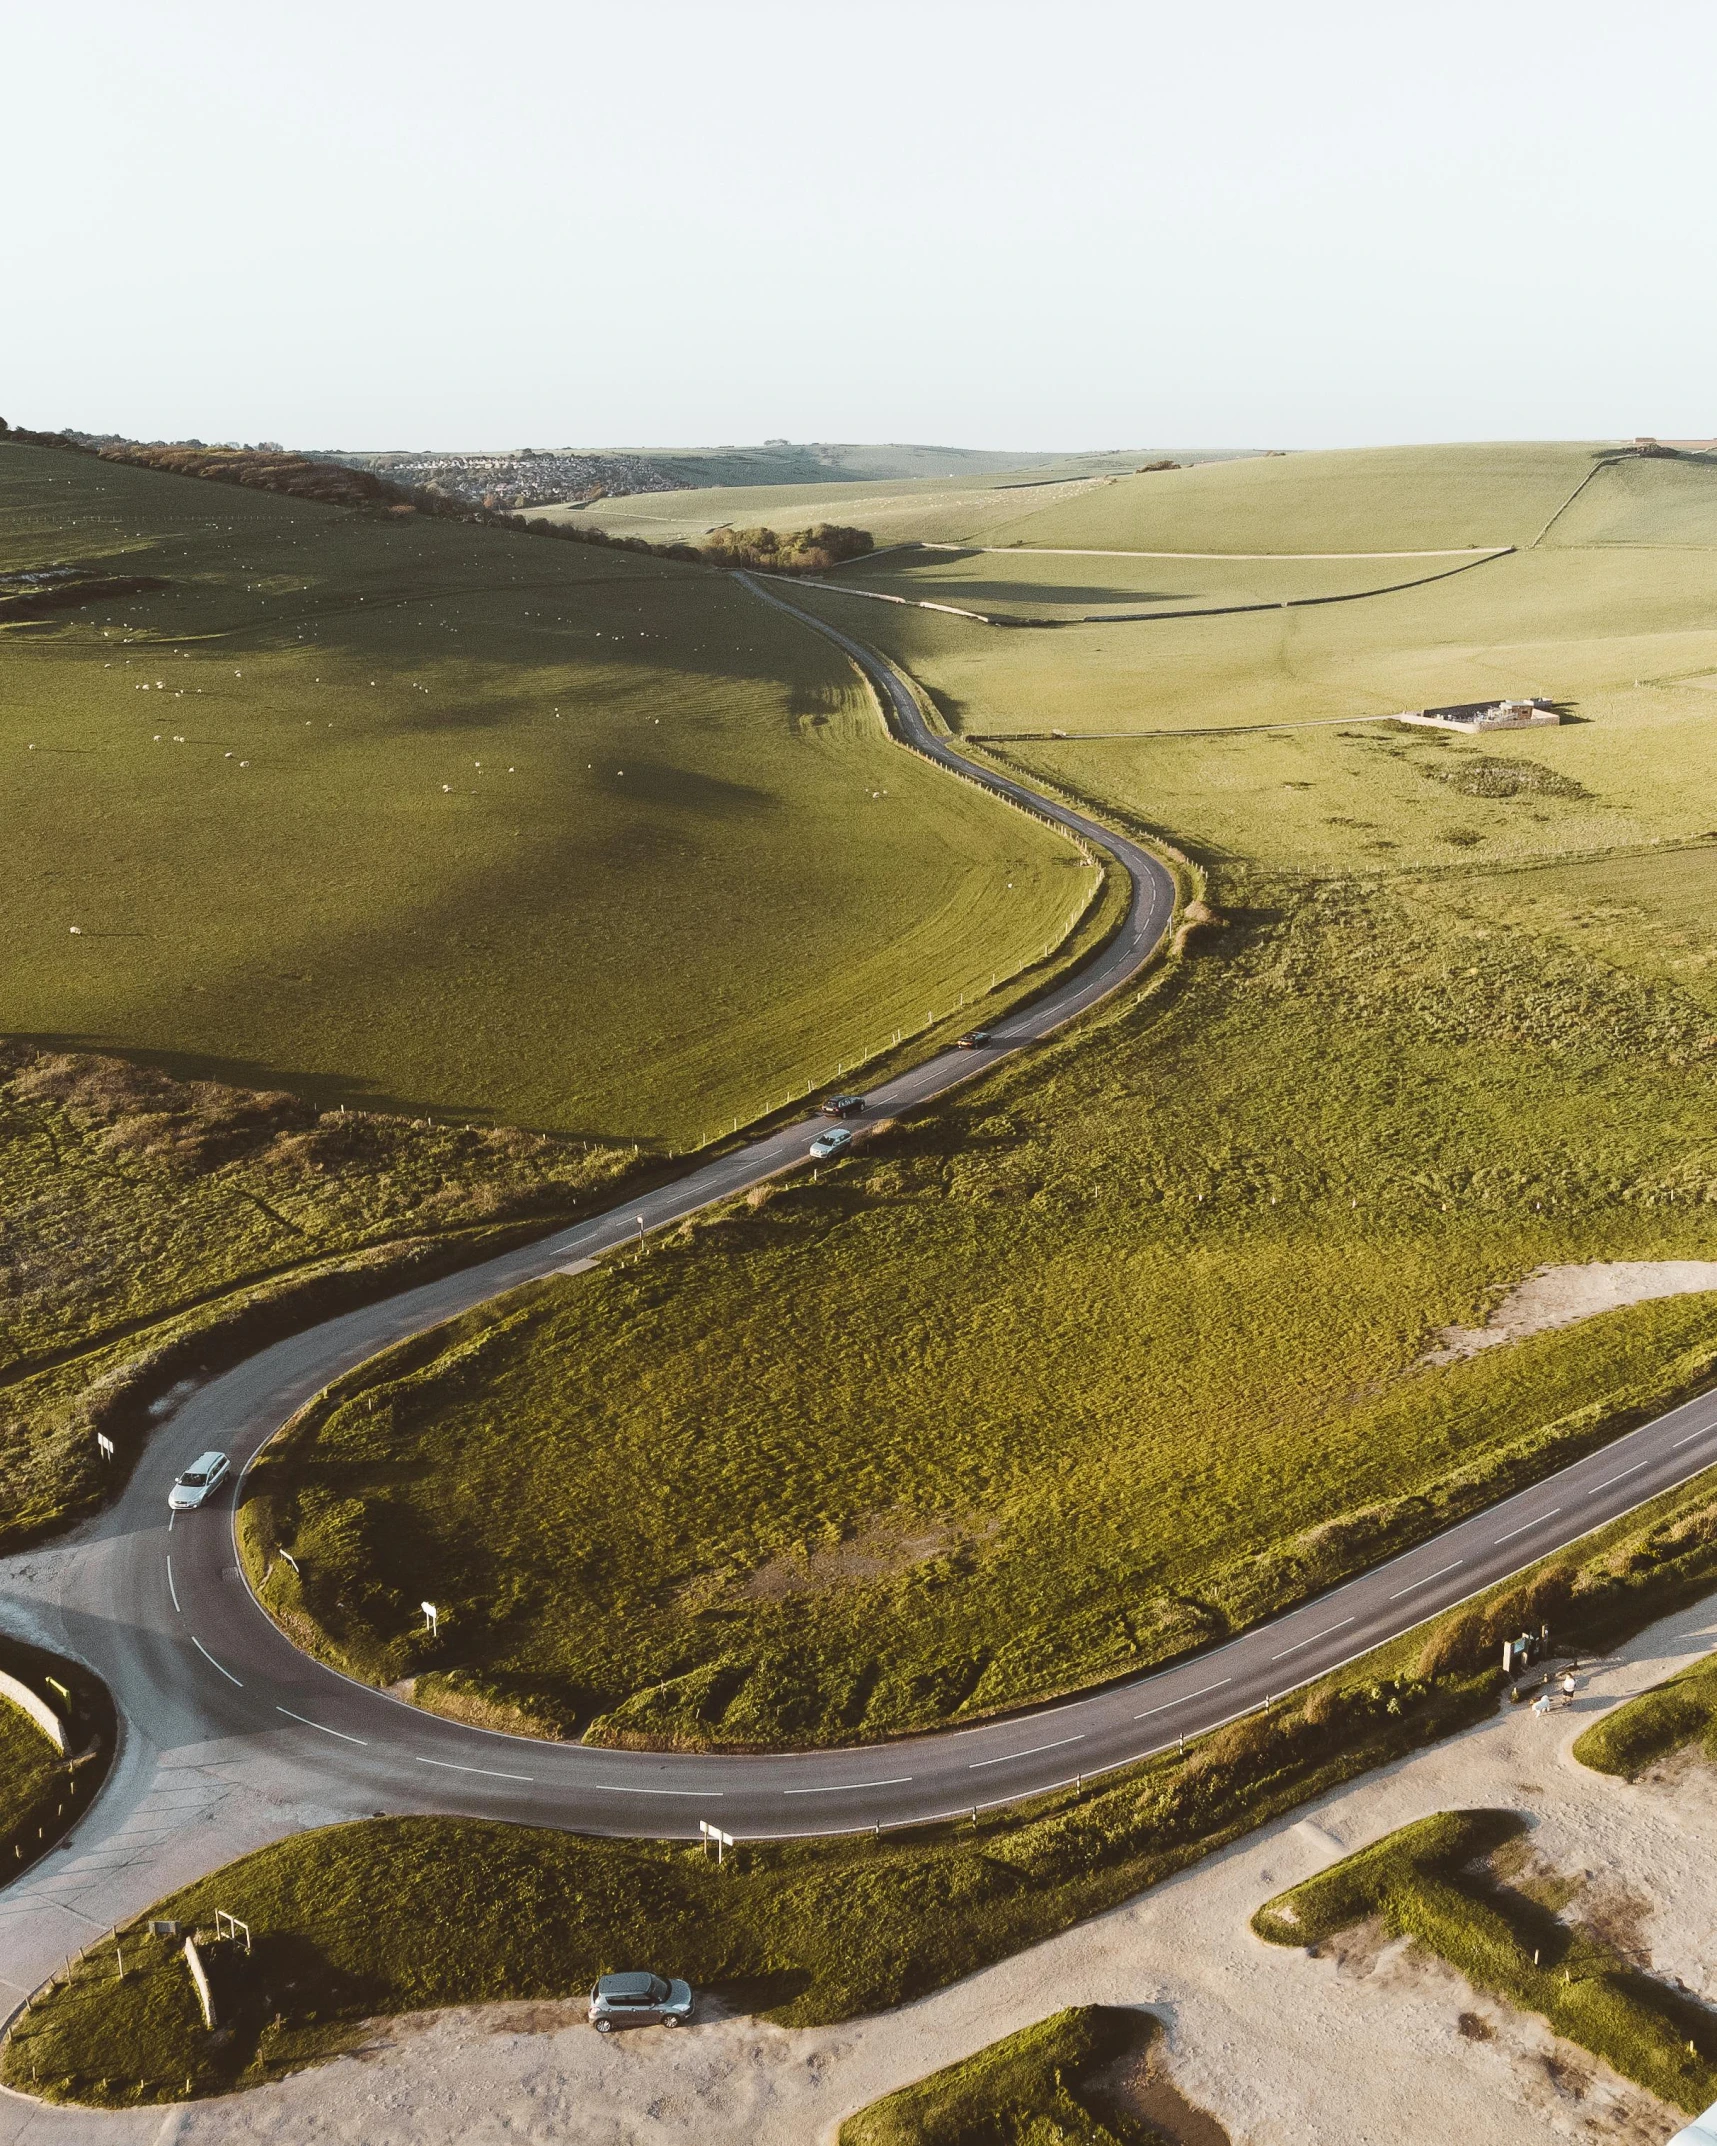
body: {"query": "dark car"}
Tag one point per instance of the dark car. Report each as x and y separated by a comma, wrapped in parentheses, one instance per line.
(974, 1039)
(842, 1106)
(638, 2000)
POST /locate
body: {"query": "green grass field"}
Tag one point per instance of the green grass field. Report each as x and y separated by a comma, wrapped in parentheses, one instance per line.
(396, 1915)
(1047, 2085)
(28, 1767)
(1120, 1351)
(1640, 1731)
(1114, 1354)
(431, 817)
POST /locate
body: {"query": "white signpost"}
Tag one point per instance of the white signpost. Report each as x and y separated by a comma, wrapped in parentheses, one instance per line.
(714, 1833)
(431, 1617)
(104, 1445)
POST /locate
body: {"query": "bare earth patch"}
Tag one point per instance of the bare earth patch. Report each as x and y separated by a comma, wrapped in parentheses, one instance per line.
(1563, 1296)
(883, 1548)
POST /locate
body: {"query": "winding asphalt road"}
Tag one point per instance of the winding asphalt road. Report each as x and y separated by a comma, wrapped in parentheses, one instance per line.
(189, 1653)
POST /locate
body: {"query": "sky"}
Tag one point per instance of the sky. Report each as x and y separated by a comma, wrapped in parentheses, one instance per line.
(967, 222)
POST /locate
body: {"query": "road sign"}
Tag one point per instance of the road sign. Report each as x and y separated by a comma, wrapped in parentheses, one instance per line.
(104, 1445)
(722, 1840)
(432, 1617)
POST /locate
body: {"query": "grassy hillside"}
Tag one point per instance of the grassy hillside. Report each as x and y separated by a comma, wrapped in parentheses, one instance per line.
(1114, 1355)
(434, 817)
(1359, 499)
(1651, 500)
(150, 1227)
(1121, 1351)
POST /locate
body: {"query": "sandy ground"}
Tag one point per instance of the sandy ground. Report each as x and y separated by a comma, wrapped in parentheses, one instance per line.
(1367, 2045)
(1563, 1296)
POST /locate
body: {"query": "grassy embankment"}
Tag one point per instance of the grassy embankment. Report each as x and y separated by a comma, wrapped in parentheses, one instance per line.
(1115, 1354)
(1045, 2086)
(1423, 1883)
(41, 1791)
(1680, 1711)
(395, 1915)
(152, 1229)
(465, 821)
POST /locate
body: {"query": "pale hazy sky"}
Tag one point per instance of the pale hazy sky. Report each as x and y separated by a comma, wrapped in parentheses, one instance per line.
(967, 221)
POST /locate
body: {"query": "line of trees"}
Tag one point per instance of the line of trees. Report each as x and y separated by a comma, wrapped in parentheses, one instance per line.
(269, 469)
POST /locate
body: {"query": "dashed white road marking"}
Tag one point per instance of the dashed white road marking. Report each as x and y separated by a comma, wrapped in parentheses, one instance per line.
(213, 1664)
(1704, 1432)
(838, 1788)
(1002, 1758)
(1525, 1524)
(1414, 1586)
(1300, 1645)
(488, 1771)
(326, 1731)
(172, 1590)
(1609, 1479)
(1169, 1705)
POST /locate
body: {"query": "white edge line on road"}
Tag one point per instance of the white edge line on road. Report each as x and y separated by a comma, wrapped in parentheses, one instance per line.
(837, 1788)
(1415, 1585)
(213, 1664)
(1169, 1705)
(1002, 1758)
(1609, 1479)
(1525, 1524)
(1300, 1645)
(489, 1772)
(172, 1590)
(326, 1731)
(1691, 1436)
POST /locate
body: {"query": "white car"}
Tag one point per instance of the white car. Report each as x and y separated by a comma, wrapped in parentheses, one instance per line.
(198, 1480)
(831, 1142)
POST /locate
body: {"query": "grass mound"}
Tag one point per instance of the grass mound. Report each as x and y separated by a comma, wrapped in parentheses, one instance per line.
(152, 1227)
(1034, 2088)
(1421, 1882)
(1115, 1355)
(410, 814)
(1636, 1734)
(42, 1791)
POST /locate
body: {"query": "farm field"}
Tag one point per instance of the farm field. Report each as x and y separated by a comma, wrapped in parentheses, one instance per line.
(892, 510)
(434, 818)
(1065, 585)
(1121, 1351)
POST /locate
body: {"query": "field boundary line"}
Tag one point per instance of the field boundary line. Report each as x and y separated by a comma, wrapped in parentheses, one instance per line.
(1029, 623)
(1057, 551)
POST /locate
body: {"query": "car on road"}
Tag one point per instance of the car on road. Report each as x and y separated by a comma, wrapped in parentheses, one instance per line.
(974, 1039)
(639, 2000)
(842, 1106)
(198, 1480)
(831, 1143)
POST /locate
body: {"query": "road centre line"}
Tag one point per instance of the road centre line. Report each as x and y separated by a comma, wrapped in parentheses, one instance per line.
(213, 1664)
(489, 1771)
(1003, 1757)
(1525, 1524)
(171, 1589)
(1704, 1432)
(1426, 1581)
(1609, 1479)
(836, 1788)
(1169, 1705)
(309, 1724)
(1312, 1642)
(613, 1788)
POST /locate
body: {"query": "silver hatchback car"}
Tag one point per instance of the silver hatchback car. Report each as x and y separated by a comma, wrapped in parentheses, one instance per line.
(639, 2000)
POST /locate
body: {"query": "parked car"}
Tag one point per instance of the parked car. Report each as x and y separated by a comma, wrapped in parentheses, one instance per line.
(830, 1143)
(639, 2000)
(198, 1480)
(974, 1039)
(842, 1106)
